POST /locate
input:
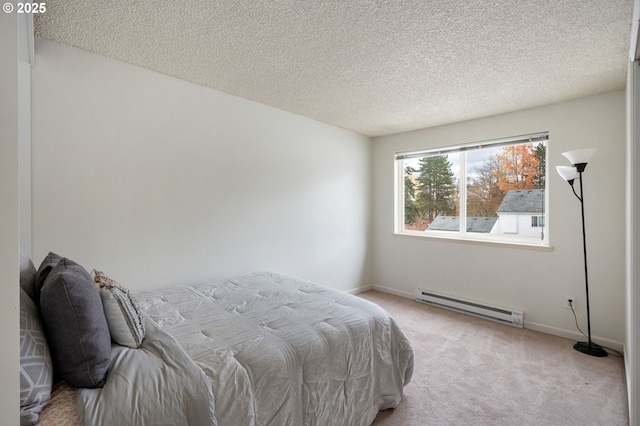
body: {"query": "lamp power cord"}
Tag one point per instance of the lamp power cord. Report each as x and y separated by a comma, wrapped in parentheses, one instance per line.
(610, 351)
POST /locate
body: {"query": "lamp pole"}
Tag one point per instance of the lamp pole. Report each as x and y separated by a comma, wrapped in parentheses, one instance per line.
(589, 347)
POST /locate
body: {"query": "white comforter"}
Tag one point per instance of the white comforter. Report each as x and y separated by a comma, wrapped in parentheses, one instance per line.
(155, 385)
(281, 351)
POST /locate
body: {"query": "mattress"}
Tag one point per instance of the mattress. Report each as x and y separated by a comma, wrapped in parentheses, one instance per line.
(284, 351)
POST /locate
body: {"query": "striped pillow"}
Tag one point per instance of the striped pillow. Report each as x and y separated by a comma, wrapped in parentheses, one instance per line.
(124, 316)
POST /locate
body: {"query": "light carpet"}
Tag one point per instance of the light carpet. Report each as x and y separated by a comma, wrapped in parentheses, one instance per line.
(470, 371)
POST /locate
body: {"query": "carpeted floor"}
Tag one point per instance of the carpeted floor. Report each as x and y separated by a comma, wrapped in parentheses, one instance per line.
(470, 371)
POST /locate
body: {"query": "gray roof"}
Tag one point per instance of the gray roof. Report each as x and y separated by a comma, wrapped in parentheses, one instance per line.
(452, 223)
(523, 201)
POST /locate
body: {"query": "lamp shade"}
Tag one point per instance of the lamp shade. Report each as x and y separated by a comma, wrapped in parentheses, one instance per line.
(579, 156)
(568, 173)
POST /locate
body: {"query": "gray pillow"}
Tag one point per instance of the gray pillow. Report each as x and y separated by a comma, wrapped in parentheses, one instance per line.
(27, 276)
(36, 371)
(45, 268)
(75, 325)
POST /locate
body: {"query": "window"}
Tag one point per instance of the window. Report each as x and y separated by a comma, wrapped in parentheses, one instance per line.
(492, 190)
(537, 221)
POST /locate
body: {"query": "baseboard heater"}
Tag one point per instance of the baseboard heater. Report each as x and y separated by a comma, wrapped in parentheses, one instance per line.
(504, 316)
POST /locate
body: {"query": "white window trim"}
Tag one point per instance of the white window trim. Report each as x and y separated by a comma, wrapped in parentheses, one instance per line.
(457, 239)
(502, 240)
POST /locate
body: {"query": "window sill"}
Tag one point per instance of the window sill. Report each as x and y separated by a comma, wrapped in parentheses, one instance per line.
(476, 241)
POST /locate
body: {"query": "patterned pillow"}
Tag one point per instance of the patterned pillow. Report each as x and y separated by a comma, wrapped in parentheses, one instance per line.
(124, 316)
(36, 370)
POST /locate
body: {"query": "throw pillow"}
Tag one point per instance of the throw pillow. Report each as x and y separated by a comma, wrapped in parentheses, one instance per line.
(27, 276)
(36, 371)
(124, 316)
(45, 268)
(75, 325)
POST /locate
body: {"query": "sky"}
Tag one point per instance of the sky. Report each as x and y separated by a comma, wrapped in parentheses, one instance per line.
(475, 158)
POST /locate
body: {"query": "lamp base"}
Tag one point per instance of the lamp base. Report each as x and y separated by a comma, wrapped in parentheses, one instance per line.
(590, 348)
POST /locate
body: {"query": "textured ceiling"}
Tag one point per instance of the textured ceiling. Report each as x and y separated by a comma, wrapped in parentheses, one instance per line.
(376, 67)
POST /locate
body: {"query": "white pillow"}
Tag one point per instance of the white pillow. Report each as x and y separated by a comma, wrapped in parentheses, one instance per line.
(124, 316)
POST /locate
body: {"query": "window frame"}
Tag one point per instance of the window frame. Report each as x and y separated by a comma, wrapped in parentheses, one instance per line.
(462, 234)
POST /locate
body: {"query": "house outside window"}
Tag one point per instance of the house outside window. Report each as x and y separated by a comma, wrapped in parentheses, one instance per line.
(491, 190)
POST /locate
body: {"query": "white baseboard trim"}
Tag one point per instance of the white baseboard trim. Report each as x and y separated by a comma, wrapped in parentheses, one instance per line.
(360, 289)
(394, 291)
(567, 334)
(573, 335)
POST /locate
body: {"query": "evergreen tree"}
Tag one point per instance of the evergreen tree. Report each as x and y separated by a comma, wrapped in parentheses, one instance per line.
(540, 152)
(410, 208)
(436, 187)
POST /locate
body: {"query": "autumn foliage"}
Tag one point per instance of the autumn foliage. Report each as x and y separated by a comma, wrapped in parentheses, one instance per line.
(518, 168)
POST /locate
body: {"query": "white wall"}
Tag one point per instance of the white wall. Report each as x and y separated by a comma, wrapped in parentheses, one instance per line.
(9, 221)
(529, 280)
(157, 181)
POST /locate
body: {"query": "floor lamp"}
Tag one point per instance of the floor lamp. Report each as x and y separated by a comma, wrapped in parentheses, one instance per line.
(579, 159)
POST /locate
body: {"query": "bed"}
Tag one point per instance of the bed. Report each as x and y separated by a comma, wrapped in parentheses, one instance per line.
(257, 349)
